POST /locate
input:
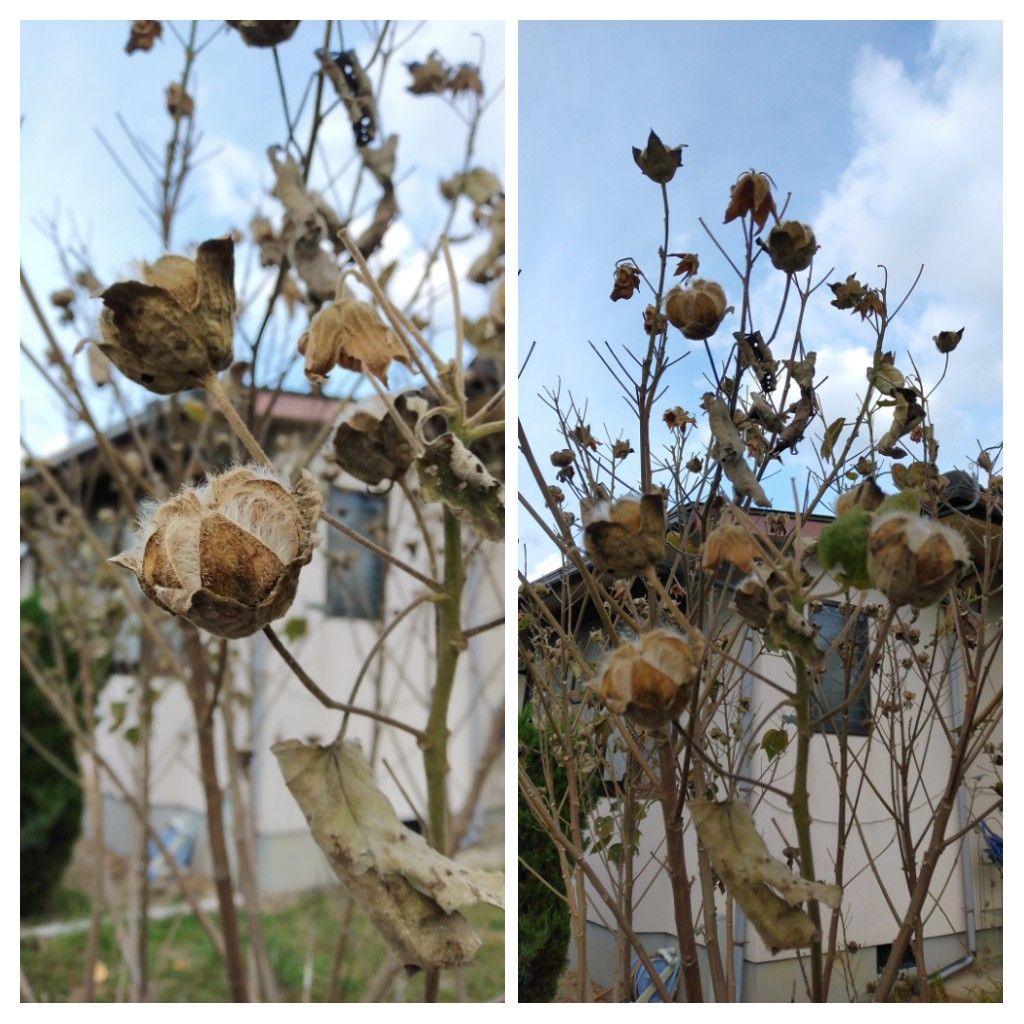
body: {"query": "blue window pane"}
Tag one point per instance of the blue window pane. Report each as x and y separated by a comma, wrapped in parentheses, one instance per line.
(355, 576)
(843, 669)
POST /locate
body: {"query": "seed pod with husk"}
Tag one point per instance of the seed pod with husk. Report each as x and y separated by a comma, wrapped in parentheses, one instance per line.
(650, 681)
(791, 246)
(626, 536)
(227, 556)
(947, 341)
(265, 33)
(698, 309)
(913, 560)
(729, 543)
(372, 447)
(175, 328)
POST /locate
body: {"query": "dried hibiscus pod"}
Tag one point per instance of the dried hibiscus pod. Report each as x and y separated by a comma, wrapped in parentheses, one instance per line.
(227, 556)
(649, 681)
(627, 281)
(626, 536)
(350, 334)
(791, 246)
(658, 161)
(751, 194)
(265, 33)
(172, 330)
(698, 309)
(179, 103)
(373, 448)
(946, 341)
(431, 76)
(913, 560)
(729, 543)
(143, 35)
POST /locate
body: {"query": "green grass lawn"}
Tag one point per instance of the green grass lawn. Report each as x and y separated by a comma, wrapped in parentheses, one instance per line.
(184, 967)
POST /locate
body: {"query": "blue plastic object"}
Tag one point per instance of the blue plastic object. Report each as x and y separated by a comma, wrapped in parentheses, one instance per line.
(993, 844)
(666, 962)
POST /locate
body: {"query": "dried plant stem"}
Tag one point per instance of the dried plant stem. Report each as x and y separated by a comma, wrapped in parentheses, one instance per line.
(800, 802)
(303, 677)
(216, 391)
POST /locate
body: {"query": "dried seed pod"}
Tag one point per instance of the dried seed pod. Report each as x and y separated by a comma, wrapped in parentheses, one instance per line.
(171, 331)
(729, 543)
(626, 536)
(372, 447)
(913, 560)
(466, 78)
(564, 457)
(946, 341)
(698, 309)
(751, 194)
(649, 681)
(179, 103)
(627, 281)
(432, 76)
(227, 556)
(143, 35)
(265, 33)
(689, 264)
(791, 246)
(350, 334)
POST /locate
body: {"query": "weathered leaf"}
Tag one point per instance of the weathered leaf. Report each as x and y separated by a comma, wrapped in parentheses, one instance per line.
(774, 742)
(296, 628)
(728, 451)
(451, 473)
(832, 433)
(769, 893)
(411, 892)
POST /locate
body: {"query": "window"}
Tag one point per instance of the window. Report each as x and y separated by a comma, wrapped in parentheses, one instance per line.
(355, 576)
(842, 672)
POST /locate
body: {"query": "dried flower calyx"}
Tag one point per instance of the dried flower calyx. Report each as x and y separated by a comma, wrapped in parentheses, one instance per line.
(791, 246)
(179, 103)
(628, 535)
(373, 448)
(698, 309)
(751, 194)
(350, 334)
(170, 331)
(947, 341)
(913, 560)
(650, 681)
(265, 33)
(627, 281)
(143, 35)
(658, 161)
(227, 556)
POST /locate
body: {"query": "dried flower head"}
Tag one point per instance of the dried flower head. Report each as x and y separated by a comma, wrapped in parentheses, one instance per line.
(172, 330)
(466, 78)
(751, 194)
(628, 535)
(729, 543)
(64, 300)
(689, 264)
(431, 76)
(946, 341)
(677, 418)
(350, 334)
(627, 281)
(143, 35)
(564, 457)
(179, 103)
(913, 560)
(791, 246)
(265, 33)
(226, 556)
(372, 447)
(698, 309)
(649, 681)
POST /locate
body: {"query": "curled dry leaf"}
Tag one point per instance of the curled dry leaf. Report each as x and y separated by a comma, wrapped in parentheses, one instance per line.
(478, 185)
(350, 334)
(170, 331)
(769, 893)
(143, 35)
(384, 213)
(265, 33)
(227, 556)
(627, 281)
(626, 536)
(688, 265)
(466, 78)
(906, 415)
(728, 450)
(373, 448)
(489, 264)
(757, 354)
(380, 162)
(179, 103)
(449, 472)
(99, 365)
(649, 681)
(355, 90)
(803, 412)
(409, 891)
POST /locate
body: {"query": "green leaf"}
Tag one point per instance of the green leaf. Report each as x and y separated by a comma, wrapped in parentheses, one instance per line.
(132, 735)
(615, 853)
(774, 742)
(831, 436)
(296, 628)
(118, 709)
(845, 543)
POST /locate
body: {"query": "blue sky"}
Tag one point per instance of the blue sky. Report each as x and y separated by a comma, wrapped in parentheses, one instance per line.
(888, 135)
(75, 77)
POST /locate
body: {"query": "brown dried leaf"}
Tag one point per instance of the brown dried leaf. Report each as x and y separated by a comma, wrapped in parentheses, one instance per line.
(143, 35)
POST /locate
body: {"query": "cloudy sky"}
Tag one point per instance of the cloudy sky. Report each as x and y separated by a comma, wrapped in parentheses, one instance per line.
(75, 81)
(888, 135)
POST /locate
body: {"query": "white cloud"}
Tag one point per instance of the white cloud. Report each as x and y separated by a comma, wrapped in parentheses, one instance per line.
(234, 182)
